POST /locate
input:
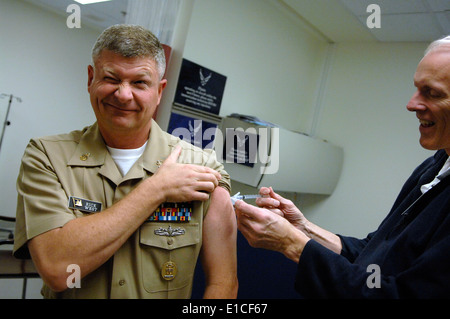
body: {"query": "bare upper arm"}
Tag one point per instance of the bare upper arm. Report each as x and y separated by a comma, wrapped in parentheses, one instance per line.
(218, 255)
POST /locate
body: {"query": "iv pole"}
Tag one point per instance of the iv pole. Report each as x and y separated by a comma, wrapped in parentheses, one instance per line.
(6, 123)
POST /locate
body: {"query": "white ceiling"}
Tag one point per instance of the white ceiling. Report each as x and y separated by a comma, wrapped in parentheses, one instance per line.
(406, 20)
(401, 20)
(336, 20)
(97, 15)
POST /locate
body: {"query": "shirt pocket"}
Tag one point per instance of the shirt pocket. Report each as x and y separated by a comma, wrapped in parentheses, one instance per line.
(162, 242)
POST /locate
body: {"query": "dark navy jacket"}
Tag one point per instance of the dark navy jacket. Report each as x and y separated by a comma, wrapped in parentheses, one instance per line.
(411, 247)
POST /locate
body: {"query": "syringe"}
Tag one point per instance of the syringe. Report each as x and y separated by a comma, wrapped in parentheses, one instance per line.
(237, 196)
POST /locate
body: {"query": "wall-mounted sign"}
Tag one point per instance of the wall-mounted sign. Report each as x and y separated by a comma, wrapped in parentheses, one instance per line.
(199, 88)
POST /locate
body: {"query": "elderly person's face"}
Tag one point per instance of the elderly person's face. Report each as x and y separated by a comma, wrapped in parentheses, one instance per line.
(431, 102)
(124, 92)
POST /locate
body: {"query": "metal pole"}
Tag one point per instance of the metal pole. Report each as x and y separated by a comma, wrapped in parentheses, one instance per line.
(6, 122)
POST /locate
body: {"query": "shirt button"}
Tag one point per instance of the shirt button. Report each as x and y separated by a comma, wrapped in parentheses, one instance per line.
(121, 282)
(169, 241)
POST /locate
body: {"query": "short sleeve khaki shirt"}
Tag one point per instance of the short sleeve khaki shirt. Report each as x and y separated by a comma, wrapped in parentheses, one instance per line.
(158, 260)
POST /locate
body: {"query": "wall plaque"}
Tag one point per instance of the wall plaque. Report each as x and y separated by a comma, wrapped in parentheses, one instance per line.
(199, 88)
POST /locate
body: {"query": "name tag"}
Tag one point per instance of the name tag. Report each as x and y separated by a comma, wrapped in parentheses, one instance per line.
(84, 205)
(174, 212)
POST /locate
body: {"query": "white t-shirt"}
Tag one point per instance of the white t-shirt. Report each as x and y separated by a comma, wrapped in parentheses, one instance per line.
(125, 158)
(425, 188)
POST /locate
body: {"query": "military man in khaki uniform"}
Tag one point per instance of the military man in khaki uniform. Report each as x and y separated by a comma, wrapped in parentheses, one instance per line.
(128, 205)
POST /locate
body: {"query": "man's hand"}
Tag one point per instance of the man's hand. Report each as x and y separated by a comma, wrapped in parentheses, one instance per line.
(275, 203)
(264, 229)
(185, 182)
(281, 206)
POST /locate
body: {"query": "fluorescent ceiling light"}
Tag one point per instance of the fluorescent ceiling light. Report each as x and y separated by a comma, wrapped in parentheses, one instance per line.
(90, 1)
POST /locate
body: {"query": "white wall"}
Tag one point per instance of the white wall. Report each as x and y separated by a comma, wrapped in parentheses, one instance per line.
(365, 112)
(272, 62)
(45, 64)
(273, 65)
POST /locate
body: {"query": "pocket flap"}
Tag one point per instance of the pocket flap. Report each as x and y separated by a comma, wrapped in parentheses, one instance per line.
(169, 235)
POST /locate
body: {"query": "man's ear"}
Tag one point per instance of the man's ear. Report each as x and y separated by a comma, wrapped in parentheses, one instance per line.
(162, 86)
(90, 69)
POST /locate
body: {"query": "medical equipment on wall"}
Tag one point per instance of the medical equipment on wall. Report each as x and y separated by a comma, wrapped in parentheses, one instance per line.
(6, 122)
(258, 153)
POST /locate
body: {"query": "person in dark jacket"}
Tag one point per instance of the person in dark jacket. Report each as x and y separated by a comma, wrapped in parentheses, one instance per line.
(408, 255)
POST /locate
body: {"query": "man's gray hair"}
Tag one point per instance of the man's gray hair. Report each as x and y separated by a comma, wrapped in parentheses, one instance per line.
(438, 43)
(131, 41)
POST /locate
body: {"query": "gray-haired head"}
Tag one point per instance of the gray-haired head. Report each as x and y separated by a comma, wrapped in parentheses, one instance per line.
(445, 41)
(131, 41)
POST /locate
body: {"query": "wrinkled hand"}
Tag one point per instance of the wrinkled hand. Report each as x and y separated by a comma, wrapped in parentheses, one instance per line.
(281, 206)
(185, 182)
(264, 229)
(261, 227)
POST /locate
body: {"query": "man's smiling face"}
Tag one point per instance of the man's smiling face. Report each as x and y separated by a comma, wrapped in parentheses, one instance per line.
(124, 93)
(431, 101)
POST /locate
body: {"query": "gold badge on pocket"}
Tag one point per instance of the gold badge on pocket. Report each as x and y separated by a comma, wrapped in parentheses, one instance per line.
(169, 270)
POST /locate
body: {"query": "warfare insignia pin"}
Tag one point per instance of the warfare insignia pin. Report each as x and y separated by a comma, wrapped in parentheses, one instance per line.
(169, 231)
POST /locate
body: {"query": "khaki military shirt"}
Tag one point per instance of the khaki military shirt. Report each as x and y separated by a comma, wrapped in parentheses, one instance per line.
(69, 176)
